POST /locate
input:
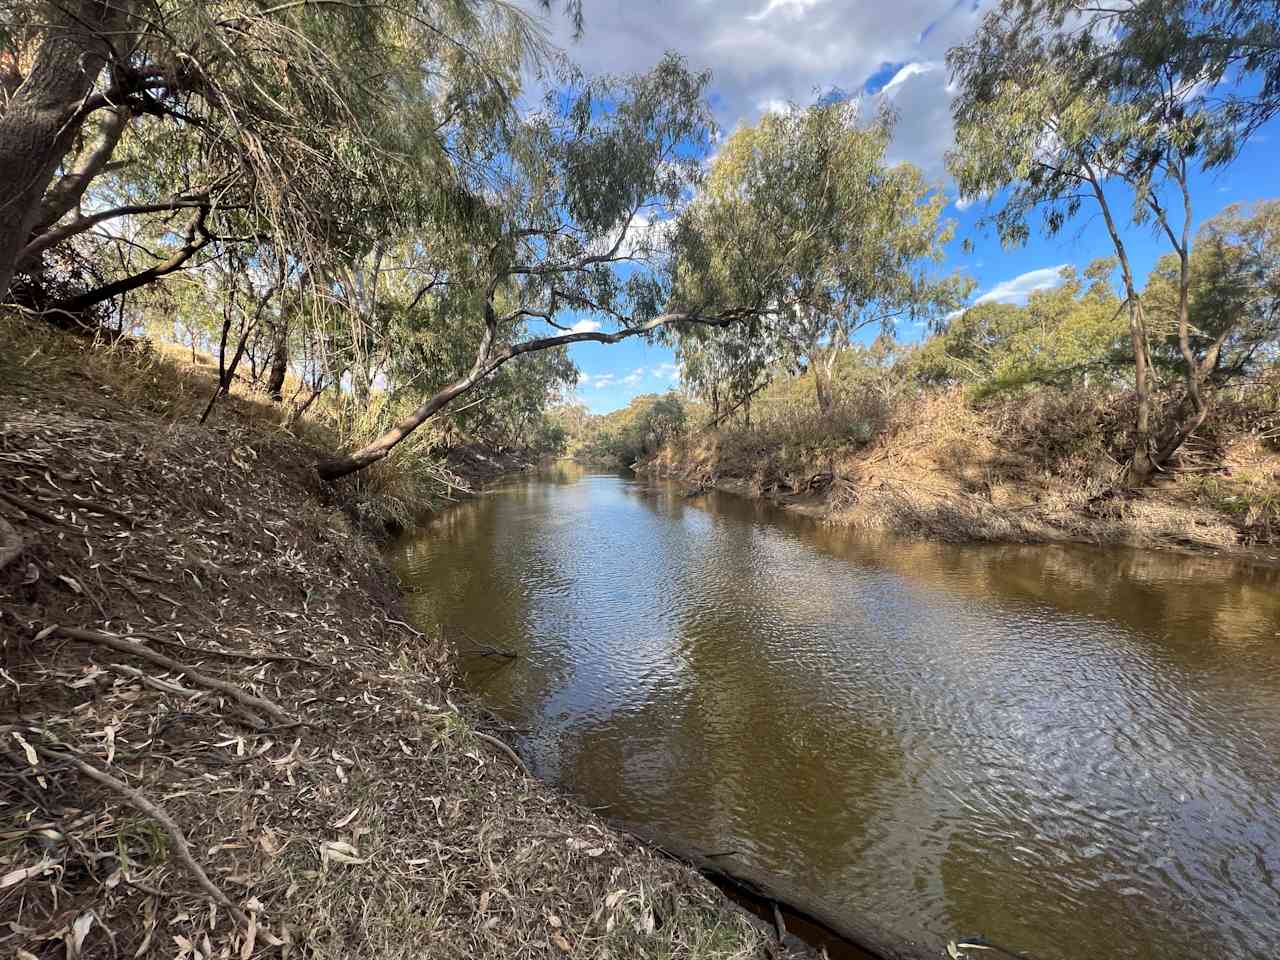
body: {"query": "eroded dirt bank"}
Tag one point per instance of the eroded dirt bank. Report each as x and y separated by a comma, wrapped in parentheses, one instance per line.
(221, 739)
(941, 470)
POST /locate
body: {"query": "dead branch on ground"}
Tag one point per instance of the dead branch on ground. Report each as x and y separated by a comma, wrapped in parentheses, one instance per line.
(181, 849)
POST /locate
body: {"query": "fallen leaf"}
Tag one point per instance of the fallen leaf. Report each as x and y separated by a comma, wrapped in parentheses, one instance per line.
(347, 819)
(15, 877)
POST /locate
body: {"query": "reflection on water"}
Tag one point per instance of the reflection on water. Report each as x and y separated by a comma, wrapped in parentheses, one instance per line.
(1072, 751)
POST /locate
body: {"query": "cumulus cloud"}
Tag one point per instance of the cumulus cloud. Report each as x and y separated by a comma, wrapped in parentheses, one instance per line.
(763, 53)
(585, 326)
(1022, 286)
(597, 381)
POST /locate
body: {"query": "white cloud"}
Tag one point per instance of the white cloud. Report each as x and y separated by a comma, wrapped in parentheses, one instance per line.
(634, 377)
(585, 326)
(597, 381)
(906, 73)
(667, 371)
(796, 8)
(766, 51)
(1022, 286)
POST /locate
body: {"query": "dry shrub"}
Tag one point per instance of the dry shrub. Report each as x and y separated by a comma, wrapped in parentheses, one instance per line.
(1038, 466)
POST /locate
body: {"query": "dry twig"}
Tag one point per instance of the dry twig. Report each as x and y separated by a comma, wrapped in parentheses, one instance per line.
(181, 849)
(243, 697)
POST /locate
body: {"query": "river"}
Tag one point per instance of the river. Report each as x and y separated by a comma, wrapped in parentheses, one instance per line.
(1069, 750)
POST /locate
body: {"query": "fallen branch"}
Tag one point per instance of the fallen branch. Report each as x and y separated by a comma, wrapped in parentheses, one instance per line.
(155, 683)
(239, 694)
(401, 623)
(10, 543)
(236, 654)
(494, 741)
(489, 652)
(181, 849)
(29, 509)
(93, 506)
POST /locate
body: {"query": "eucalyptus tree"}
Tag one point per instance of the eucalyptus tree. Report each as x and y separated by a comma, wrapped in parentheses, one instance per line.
(1234, 303)
(1052, 115)
(727, 367)
(1231, 46)
(302, 119)
(802, 210)
(571, 216)
(1068, 335)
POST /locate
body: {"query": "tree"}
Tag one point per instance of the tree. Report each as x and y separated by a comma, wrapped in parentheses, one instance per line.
(1061, 336)
(802, 210)
(304, 119)
(572, 216)
(1232, 47)
(1234, 303)
(1058, 115)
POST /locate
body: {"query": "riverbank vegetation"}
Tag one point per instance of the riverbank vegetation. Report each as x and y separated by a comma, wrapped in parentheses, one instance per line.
(262, 262)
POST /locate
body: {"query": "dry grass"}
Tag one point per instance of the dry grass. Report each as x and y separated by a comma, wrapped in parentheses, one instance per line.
(371, 822)
(1041, 467)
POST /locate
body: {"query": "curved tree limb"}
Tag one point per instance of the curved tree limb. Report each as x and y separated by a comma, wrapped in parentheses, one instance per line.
(495, 742)
(79, 225)
(488, 361)
(197, 238)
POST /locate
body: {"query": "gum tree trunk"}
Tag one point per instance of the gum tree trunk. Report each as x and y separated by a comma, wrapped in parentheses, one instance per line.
(41, 122)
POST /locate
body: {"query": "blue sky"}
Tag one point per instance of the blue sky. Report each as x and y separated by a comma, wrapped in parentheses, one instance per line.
(766, 53)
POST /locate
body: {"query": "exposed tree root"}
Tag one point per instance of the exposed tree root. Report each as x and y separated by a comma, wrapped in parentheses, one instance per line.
(494, 741)
(10, 543)
(246, 700)
(181, 849)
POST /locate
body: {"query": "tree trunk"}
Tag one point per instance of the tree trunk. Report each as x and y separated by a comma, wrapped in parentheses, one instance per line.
(279, 357)
(820, 389)
(1141, 467)
(41, 122)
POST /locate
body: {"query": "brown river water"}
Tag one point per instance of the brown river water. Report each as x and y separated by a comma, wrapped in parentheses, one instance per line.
(1074, 752)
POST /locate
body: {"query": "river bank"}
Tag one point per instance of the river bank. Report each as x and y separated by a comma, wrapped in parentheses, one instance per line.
(222, 734)
(942, 470)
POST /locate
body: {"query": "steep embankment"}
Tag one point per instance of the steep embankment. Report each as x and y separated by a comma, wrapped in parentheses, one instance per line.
(1040, 469)
(221, 739)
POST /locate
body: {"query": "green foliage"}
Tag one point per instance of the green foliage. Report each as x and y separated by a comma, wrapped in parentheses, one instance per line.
(1234, 296)
(1070, 334)
(638, 430)
(801, 214)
